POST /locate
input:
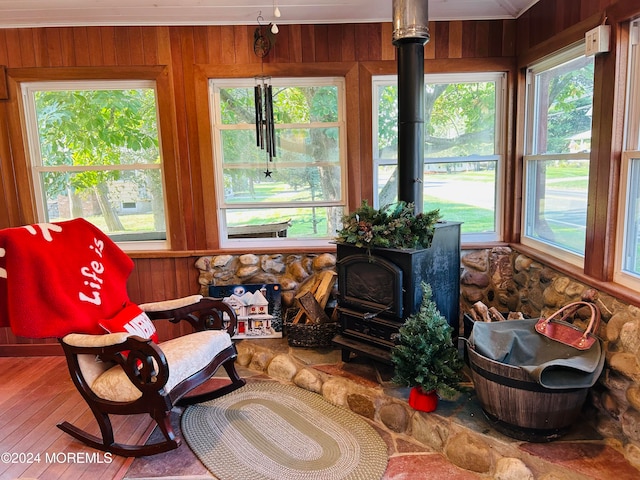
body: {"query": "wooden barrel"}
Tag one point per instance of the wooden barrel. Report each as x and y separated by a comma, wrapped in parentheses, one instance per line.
(520, 407)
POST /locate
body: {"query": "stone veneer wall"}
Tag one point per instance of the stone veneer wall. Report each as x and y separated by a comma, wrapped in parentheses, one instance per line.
(291, 271)
(510, 281)
(507, 280)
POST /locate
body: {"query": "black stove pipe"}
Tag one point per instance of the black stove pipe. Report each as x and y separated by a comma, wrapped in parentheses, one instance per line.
(410, 33)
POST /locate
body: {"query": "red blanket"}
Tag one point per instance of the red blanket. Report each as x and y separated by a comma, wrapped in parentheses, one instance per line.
(58, 278)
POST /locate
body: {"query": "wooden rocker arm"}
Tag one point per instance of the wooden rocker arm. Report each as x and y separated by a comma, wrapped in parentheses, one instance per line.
(205, 313)
(146, 366)
(142, 360)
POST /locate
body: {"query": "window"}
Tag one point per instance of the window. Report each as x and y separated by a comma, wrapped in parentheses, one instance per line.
(94, 150)
(557, 149)
(300, 195)
(628, 248)
(463, 148)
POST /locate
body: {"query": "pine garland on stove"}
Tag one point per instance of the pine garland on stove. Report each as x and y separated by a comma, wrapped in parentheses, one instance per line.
(392, 226)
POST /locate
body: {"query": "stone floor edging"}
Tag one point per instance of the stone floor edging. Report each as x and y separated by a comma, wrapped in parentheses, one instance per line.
(489, 456)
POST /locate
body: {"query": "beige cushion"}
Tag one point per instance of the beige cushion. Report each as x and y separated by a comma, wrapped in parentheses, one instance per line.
(170, 304)
(86, 340)
(90, 365)
(185, 356)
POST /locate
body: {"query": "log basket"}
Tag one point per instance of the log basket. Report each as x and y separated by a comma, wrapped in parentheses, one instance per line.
(310, 335)
(519, 407)
(537, 394)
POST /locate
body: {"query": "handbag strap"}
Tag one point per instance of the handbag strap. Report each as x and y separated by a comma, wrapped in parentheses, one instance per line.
(570, 309)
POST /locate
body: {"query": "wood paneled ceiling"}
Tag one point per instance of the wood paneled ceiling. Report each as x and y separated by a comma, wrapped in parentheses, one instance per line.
(39, 13)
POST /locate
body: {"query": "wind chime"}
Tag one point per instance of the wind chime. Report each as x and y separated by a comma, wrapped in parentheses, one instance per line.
(265, 131)
(263, 95)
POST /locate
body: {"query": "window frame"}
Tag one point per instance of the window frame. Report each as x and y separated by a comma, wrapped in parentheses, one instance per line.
(32, 141)
(216, 126)
(499, 156)
(630, 154)
(530, 154)
(176, 233)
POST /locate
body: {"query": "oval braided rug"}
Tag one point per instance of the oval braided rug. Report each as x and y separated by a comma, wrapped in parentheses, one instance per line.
(274, 431)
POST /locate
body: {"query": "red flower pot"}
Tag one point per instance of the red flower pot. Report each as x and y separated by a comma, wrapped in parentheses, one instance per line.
(425, 402)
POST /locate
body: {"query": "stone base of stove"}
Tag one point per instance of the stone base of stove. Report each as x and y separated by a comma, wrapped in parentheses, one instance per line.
(350, 345)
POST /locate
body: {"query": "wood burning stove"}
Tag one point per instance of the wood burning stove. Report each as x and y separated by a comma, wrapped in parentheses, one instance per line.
(378, 293)
(369, 281)
(379, 289)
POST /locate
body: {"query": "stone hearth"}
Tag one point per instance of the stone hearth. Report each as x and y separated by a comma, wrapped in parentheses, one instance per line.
(454, 442)
(457, 430)
(502, 278)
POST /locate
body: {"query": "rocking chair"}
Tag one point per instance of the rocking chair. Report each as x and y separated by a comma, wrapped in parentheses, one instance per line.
(123, 374)
(68, 280)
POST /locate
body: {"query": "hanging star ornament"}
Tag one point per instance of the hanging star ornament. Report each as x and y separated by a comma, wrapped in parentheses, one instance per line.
(267, 173)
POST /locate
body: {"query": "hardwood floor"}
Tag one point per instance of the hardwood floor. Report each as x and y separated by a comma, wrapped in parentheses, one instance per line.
(35, 394)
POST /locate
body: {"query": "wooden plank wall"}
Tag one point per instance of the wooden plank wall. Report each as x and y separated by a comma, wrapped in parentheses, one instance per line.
(549, 18)
(181, 49)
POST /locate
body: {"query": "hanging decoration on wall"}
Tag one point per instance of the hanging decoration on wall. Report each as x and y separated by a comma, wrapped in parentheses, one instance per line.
(264, 37)
(263, 93)
(265, 131)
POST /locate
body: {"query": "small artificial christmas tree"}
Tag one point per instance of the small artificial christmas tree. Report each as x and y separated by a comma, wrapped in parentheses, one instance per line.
(425, 355)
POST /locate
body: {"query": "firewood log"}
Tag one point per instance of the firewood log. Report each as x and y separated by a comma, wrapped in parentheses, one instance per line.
(482, 310)
(590, 295)
(312, 309)
(495, 315)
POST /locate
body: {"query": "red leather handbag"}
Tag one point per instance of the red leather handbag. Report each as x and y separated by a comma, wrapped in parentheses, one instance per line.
(557, 328)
